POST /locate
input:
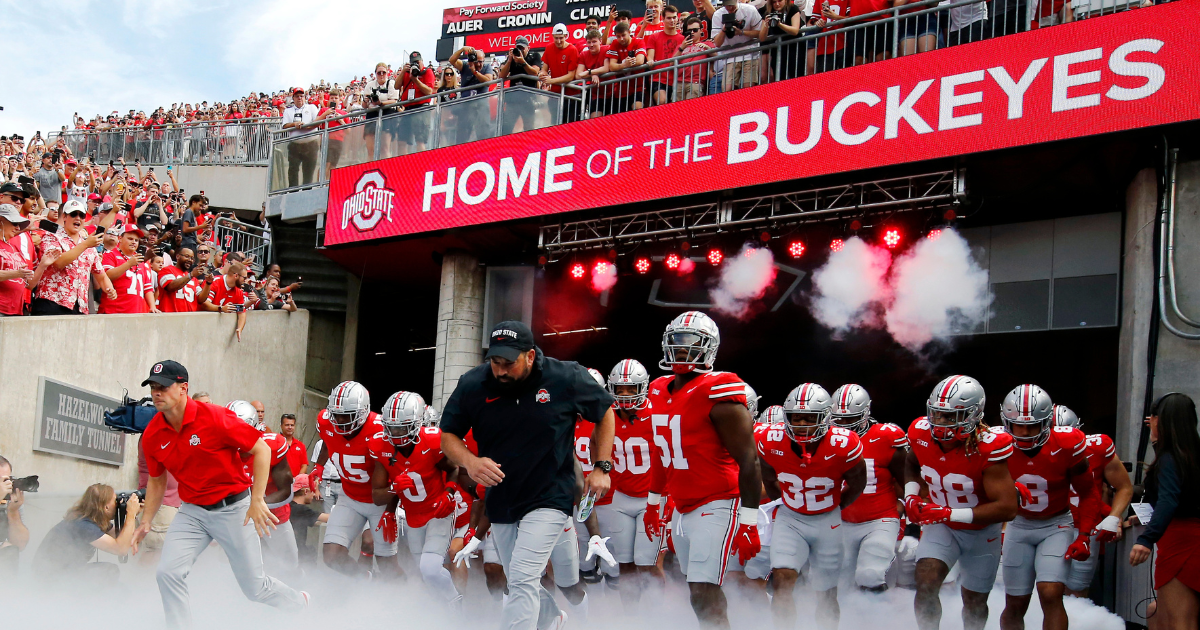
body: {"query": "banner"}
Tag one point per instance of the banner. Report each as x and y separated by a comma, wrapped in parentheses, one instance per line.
(71, 422)
(1125, 71)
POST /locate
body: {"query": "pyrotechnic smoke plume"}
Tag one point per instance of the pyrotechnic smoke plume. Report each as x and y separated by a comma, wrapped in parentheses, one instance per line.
(603, 278)
(744, 279)
(936, 288)
(848, 288)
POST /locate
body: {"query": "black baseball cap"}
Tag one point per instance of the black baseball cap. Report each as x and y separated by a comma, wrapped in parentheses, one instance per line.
(12, 188)
(166, 373)
(509, 339)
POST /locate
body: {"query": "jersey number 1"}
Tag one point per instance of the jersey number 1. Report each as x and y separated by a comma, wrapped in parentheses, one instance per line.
(672, 453)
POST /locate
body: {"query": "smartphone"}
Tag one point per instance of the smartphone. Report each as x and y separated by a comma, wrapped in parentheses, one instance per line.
(48, 225)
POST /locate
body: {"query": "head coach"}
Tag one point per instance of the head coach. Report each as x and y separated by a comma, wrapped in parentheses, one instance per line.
(521, 407)
(202, 446)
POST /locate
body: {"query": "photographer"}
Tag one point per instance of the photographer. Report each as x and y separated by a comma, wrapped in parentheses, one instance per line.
(301, 153)
(50, 177)
(735, 25)
(13, 533)
(416, 80)
(783, 21)
(188, 227)
(520, 106)
(68, 547)
(473, 119)
(273, 300)
(693, 78)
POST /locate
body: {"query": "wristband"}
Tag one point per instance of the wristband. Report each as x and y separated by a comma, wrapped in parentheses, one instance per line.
(962, 515)
(748, 516)
(653, 498)
(912, 488)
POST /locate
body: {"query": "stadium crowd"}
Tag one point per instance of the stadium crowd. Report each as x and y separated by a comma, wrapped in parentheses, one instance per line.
(725, 493)
(78, 238)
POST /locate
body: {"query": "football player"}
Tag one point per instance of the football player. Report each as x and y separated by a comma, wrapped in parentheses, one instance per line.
(959, 489)
(411, 468)
(706, 462)
(346, 427)
(1041, 541)
(1106, 467)
(591, 569)
(772, 415)
(872, 523)
(280, 554)
(817, 469)
(621, 518)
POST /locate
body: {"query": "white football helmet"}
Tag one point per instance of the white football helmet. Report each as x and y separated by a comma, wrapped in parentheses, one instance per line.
(629, 372)
(247, 413)
(597, 376)
(694, 337)
(432, 417)
(1028, 405)
(1064, 417)
(349, 406)
(752, 401)
(955, 408)
(403, 416)
(772, 415)
(809, 402)
(852, 408)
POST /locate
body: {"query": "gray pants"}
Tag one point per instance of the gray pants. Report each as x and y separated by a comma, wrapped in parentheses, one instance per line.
(524, 549)
(280, 554)
(190, 533)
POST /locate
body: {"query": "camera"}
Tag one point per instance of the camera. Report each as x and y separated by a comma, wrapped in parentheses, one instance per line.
(471, 57)
(729, 23)
(774, 18)
(122, 502)
(26, 484)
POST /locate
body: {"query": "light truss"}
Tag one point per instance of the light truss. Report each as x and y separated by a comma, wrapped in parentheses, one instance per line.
(914, 192)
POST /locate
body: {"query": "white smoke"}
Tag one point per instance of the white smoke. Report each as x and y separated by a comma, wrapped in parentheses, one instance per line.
(744, 279)
(604, 276)
(686, 266)
(926, 294)
(848, 287)
(937, 288)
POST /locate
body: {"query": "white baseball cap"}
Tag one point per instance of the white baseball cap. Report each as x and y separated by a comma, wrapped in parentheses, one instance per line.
(12, 214)
(560, 29)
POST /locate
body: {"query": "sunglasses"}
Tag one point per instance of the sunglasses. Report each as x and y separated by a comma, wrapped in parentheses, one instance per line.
(203, 251)
(77, 213)
(380, 72)
(693, 31)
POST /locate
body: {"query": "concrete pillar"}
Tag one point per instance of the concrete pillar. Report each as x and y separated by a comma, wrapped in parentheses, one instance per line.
(1137, 299)
(1175, 369)
(350, 336)
(460, 318)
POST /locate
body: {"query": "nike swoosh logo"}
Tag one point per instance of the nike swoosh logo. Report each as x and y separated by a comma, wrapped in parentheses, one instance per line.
(1055, 452)
(493, 399)
(873, 440)
(567, 529)
(426, 451)
(835, 526)
(829, 457)
(706, 514)
(991, 540)
(164, 446)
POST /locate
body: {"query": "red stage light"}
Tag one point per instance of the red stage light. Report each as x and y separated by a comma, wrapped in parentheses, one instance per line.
(836, 244)
(715, 257)
(934, 234)
(672, 261)
(612, 254)
(796, 249)
(642, 265)
(950, 215)
(684, 246)
(891, 238)
(578, 271)
(856, 225)
(542, 260)
(765, 237)
(601, 267)
(750, 252)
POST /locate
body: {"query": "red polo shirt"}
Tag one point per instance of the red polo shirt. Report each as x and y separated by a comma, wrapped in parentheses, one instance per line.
(204, 455)
(297, 456)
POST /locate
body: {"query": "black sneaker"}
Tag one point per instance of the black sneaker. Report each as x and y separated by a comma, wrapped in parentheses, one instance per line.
(590, 576)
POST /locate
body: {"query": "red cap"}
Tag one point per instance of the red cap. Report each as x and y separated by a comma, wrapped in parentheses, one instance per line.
(297, 91)
(132, 228)
(94, 197)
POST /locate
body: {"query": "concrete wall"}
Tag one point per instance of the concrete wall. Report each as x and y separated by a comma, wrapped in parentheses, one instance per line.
(460, 316)
(238, 187)
(1178, 365)
(1137, 297)
(105, 353)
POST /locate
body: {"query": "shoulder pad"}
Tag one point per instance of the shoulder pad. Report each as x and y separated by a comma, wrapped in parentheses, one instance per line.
(996, 446)
(919, 425)
(725, 387)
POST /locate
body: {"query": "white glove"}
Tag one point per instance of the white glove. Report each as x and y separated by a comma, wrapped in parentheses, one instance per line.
(463, 557)
(596, 547)
(906, 548)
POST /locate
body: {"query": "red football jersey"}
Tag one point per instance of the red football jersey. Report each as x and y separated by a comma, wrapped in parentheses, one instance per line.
(810, 483)
(1045, 474)
(131, 288)
(697, 467)
(421, 465)
(833, 43)
(183, 299)
(631, 456)
(1101, 450)
(955, 478)
(221, 293)
(583, 453)
(878, 499)
(351, 457)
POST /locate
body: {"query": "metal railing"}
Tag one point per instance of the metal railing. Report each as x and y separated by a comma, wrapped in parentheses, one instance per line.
(230, 142)
(302, 158)
(253, 240)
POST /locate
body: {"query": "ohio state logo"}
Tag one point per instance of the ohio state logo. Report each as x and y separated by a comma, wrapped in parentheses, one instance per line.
(543, 396)
(371, 201)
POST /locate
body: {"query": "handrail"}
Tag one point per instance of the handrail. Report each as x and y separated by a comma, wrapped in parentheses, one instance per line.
(232, 235)
(239, 142)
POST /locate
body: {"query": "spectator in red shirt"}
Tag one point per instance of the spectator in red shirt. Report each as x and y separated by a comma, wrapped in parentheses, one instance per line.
(624, 54)
(593, 63)
(16, 278)
(202, 445)
(660, 46)
(184, 286)
(125, 267)
(227, 295)
(653, 22)
(558, 67)
(829, 52)
(416, 80)
(694, 77)
(297, 456)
